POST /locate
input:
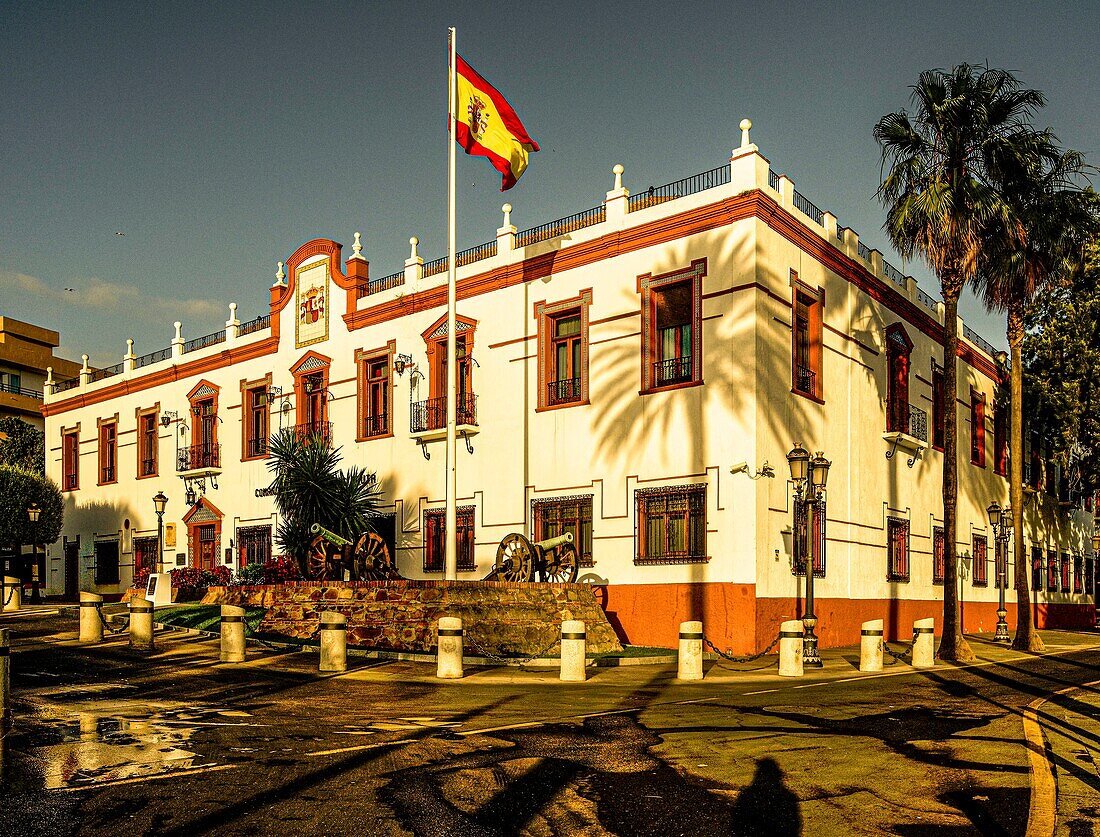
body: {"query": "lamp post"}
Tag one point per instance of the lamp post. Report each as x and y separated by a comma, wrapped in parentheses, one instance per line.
(159, 502)
(33, 513)
(809, 476)
(1000, 538)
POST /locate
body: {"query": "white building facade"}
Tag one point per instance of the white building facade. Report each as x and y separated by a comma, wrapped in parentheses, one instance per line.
(614, 367)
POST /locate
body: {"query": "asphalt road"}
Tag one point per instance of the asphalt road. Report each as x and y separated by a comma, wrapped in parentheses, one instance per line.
(108, 740)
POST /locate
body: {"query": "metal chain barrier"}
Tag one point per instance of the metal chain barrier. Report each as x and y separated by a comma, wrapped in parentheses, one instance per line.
(251, 633)
(899, 657)
(107, 625)
(11, 594)
(747, 658)
(520, 661)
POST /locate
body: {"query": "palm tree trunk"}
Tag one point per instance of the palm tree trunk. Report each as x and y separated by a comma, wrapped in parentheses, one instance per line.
(1026, 638)
(952, 644)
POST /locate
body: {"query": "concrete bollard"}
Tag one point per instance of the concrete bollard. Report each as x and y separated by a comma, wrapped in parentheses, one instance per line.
(334, 642)
(91, 623)
(690, 660)
(924, 643)
(141, 624)
(448, 656)
(572, 651)
(13, 594)
(790, 648)
(870, 646)
(232, 634)
(5, 680)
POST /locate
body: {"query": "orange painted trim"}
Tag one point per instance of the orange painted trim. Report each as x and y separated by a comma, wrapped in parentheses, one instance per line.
(246, 415)
(101, 425)
(362, 358)
(139, 414)
(671, 387)
(550, 409)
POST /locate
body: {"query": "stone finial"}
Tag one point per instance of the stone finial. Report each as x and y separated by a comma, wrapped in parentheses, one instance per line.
(179, 333)
(84, 368)
(49, 376)
(129, 346)
(746, 126)
(507, 210)
(618, 172)
(412, 243)
(232, 321)
(280, 277)
(357, 247)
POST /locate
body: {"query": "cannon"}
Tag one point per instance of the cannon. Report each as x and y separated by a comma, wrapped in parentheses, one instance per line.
(330, 556)
(518, 559)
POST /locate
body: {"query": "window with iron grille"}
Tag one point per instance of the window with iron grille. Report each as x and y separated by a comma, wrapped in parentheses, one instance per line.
(256, 429)
(898, 349)
(435, 547)
(1036, 568)
(672, 525)
(145, 554)
(980, 562)
(802, 538)
(376, 397)
(566, 354)
(553, 517)
(253, 545)
(897, 549)
(671, 327)
(939, 556)
(1052, 571)
(1078, 574)
(1065, 572)
(106, 561)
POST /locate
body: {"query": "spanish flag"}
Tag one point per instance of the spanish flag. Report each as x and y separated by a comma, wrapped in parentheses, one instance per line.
(487, 126)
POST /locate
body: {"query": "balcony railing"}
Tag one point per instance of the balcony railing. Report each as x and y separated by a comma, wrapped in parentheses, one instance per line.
(197, 343)
(258, 324)
(674, 370)
(256, 447)
(197, 457)
(14, 390)
(918, 423)
(106, 372)
(893, 274)
(432, 413)
(315, 430)
(153, 357)
(148, 467)
(375, 286)
(806, 207)
(579, 221)
(679, 188)
(805, 380)
(107, 473)
(565, 391)
(70, 482)
(62, 386)
(978, 341)
(378, 425)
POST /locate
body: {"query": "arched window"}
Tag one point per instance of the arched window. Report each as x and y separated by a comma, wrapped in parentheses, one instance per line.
(898, 349)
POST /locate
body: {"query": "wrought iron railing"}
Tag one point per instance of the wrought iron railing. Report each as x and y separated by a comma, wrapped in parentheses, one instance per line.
(321, 430)
(864, 252)
(435, 266)
(596, 215)
(375, 286)
(14, 390)
(978, 341)
(105, 372)
(773, 179)
(258, 324)
(840, 232)
(674, 370)
(927, 301)
(432, 413)
(565, 391)
(197, 457)
(893, 274)
(805, 380)
(70, 482)
(62, 386)
(918, 423)
(148, 467)
(153, 357)
(197, 343)
(107, 473)
(679, 188)
(378, 425)
(257, 446)
(806, 207)
(476, 254)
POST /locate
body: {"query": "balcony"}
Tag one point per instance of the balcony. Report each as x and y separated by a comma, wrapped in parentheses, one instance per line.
(565, 391)
(910, 435)
(378, 425)
(428, 420)
(148, 467)
(256, 447)
(318, 430)
(674, 370)
(199, 460)
(805, 380)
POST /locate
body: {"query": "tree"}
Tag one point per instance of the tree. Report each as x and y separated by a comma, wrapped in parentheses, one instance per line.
(943, 200)
(19, 487)
(1056, 218)
(22, 444)
(310, 488)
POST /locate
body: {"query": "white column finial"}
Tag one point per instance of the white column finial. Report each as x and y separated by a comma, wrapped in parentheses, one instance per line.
(85, 366)
(618, 172)
(357, 247)
(280, 276)
(412, 243)
(178, 326)
(129, 346)
(746, 126)
(232, 310)
(507, 210)
(49, 375)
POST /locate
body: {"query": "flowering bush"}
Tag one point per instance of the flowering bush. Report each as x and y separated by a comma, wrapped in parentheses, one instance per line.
(141, 577)
(191, 582)
(276, 571)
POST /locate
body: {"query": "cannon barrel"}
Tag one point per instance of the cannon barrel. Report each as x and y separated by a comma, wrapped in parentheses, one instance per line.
(331, 537)
(550, 543)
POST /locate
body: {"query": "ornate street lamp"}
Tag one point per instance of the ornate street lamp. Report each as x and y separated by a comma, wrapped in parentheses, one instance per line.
(33, 513)
(159, 502)
(997, 516)
(809, 477)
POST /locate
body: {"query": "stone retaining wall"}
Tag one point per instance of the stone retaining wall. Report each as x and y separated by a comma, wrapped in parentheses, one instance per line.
(499, 617)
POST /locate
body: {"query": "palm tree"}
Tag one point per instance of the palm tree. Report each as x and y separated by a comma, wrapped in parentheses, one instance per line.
(309, 488)
(1057, 218)
(943, 200)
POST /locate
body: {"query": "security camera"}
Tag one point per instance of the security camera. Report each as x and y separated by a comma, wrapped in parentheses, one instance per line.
(740, 468)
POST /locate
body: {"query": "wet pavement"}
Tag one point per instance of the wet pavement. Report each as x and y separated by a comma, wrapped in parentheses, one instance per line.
(176, 743)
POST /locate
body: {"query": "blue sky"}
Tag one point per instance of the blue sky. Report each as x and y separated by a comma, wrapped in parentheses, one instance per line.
(219, 137)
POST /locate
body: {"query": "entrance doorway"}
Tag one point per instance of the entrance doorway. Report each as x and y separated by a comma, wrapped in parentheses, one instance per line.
(72, 570)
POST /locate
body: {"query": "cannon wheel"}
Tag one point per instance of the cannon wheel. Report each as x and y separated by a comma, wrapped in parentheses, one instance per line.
(317, 561)
(515, 558)
(372, 558)
(562, 565)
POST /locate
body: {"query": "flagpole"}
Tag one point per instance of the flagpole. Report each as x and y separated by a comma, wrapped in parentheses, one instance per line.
(451, 520)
